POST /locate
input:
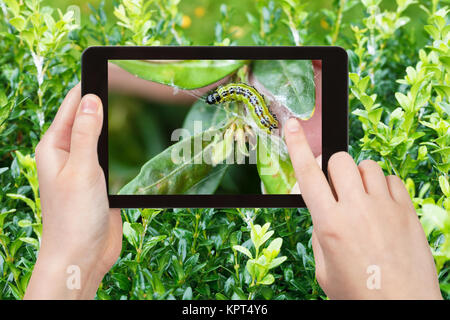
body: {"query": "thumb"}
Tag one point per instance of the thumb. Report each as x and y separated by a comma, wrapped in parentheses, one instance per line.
(85, 133)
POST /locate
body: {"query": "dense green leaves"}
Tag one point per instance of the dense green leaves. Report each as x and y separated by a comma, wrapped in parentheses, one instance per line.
(182, 74)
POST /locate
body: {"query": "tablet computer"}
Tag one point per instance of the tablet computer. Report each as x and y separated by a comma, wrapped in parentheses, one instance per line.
(203, 126)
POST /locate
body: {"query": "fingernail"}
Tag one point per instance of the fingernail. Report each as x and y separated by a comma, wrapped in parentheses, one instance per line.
(89, 105)
(292, 125)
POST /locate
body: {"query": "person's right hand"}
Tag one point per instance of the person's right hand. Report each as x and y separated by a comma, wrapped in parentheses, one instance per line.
(368, 242)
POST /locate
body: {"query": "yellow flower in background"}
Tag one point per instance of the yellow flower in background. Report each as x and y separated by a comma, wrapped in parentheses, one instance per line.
(186, 22)
(237, 31)
(324, 24)
(199, 12)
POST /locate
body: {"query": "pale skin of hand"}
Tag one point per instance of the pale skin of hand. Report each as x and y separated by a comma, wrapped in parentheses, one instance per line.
(79, 228)
(362, 219)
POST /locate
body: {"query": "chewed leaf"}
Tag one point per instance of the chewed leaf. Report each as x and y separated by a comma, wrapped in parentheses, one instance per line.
(276, 173)
(187, 173)
(203, 117)
(185, 74)
(290, 82)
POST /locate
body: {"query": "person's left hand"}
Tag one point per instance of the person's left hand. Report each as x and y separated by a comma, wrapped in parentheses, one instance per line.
(81, 235)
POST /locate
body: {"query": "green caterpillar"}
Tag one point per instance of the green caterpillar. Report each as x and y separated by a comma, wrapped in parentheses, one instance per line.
(251, 97)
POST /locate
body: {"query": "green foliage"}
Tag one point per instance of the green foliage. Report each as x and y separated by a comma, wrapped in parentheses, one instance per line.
(400, 118)
(411, 139)
(183, 74)
(259, 265)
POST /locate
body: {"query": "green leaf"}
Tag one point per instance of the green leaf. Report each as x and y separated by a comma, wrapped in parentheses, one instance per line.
(3, 216)
(268, 280)
(264, 228)
(276, 262)
(18, 23)
(3, 98)
(150, 243)
(187, 294)
(178, 266)
(15, 291)
(374, 115)
(367, 101)
(28, 201)
(275, 245)
(434, 217)
(445, 187)
(121, 281)
(14, 6)
(291, 82)
(16, 244)
(25, 223)
(187, 74)
(276, 173)
(251, 268)
(266, 237)
(445, 60)
(403, 100)
(220, 296)
(243, 250)
(25, 161)
(30, 241)
(238, 294)
(443, 90)
(130, 234)
(354, 77)
(157, 284)
(202, 116)
(177, 170)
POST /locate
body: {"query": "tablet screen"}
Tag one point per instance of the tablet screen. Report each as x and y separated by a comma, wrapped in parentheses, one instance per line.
(203, 127)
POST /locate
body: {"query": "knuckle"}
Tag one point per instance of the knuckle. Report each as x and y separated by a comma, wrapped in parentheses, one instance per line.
(394, 179)
(369, 165)
(338, 158)
(327, 232)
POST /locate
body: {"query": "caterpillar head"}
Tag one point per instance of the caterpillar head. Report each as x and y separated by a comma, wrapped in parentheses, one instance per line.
(213, 98)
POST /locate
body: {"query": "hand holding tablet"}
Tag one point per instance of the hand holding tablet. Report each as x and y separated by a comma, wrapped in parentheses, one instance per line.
(366, 231)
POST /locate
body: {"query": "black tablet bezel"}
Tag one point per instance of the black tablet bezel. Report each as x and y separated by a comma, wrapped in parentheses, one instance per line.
(334, 112)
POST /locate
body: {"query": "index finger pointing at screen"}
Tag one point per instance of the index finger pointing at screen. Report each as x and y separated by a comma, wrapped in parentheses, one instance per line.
(312, 182)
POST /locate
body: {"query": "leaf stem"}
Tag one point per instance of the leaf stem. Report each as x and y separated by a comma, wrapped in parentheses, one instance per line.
(337, 25)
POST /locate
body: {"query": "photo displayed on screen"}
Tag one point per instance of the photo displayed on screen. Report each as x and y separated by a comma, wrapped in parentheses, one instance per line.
(207, 127)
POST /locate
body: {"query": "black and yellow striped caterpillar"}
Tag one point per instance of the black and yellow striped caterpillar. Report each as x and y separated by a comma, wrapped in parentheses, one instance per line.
(251, 97)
